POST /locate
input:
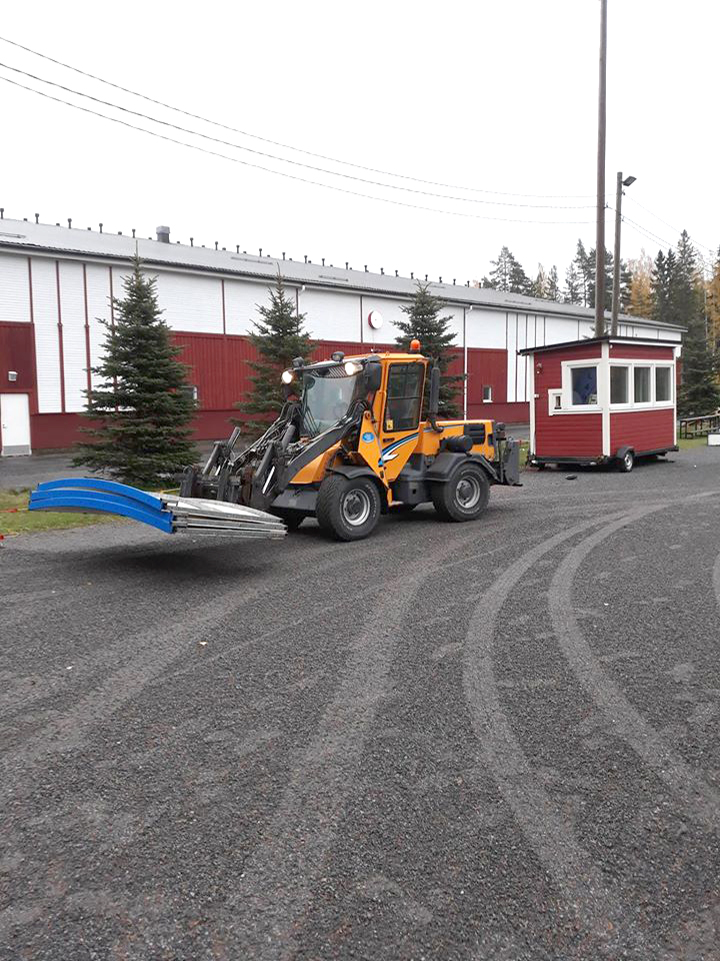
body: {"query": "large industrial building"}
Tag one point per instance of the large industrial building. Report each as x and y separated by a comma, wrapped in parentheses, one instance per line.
(57, 284)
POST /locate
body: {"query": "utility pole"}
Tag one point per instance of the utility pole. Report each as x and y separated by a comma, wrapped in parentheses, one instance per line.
(600, 232)
(616, 258)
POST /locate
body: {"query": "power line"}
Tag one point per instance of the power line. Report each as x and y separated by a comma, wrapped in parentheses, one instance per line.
(282, 173)
(676, 229)
(276, 143)
(295, 163)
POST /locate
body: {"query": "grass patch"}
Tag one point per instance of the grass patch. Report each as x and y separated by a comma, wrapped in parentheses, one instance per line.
(16, 519)
(688, 443)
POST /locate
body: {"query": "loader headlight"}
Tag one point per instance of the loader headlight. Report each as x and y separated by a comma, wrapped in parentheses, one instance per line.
(352, 368)
(287, 376)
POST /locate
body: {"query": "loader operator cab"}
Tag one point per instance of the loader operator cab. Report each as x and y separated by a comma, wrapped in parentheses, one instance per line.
(329, 391)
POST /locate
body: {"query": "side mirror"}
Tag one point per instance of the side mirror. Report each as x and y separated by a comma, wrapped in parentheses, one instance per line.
(372, 375)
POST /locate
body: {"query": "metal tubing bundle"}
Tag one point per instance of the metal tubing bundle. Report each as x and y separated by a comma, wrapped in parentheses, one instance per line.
(167, 513)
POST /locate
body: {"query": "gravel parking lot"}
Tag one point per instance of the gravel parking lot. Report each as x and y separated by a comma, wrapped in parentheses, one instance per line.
(487, 741)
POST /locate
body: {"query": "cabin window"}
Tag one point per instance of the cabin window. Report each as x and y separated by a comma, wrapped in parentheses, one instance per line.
(619, 385)
(404, 396)
(641, 379)
(487, 394)
(663, 385)
(584, 386)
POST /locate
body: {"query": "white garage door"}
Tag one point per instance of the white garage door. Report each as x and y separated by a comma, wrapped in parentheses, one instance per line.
(15, 424)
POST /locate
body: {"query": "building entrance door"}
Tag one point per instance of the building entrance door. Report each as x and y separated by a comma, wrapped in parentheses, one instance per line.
(15, 424)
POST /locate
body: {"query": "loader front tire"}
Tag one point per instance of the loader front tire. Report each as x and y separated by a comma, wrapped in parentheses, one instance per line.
(349, 509)
(464, 496)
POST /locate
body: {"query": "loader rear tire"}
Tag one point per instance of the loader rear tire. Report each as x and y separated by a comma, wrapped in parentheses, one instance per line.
(464, 496)
(349, 509)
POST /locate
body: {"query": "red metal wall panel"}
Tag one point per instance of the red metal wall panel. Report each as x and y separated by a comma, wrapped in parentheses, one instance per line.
(515, 412)
(486, 368)
(564, 435)
(642, 429)
(640, 352)
(16, 353)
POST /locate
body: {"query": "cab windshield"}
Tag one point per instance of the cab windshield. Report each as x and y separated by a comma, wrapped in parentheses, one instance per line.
(327, 393)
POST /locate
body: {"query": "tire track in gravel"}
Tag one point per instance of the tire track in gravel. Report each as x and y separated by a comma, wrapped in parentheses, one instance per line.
(156, 649)
(279, 875)
(716, 579)
(624, 720)
(545, 827)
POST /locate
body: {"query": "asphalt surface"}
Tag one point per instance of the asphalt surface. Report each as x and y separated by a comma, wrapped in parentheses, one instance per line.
(495, 740)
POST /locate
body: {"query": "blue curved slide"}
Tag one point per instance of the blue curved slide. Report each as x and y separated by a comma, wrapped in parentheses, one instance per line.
(108, 497)
(168, 513)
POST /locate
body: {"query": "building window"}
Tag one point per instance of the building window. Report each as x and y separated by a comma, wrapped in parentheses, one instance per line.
(663, 385)
(487, 393)
(619, 385)
(191, 391)
(641, 381)
(584, 386)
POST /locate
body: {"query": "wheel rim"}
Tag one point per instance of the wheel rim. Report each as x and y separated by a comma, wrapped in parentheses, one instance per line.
(468, 492)
(356, 507)
(628, 461)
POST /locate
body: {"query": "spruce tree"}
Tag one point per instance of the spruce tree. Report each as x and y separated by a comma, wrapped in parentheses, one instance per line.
(436, 342)
(573, 285)
(508, 275)
(713, 305)
(699, 393)
(141, 434)
(585, 270)
(553, 284)
(539, 286)
(279, 337)
(663, 287)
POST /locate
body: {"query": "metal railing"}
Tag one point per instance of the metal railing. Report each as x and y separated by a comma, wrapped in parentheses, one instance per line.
(699, 426)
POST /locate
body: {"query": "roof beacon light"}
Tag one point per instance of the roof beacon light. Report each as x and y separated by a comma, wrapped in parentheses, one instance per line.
(287, 376)
(415, 344)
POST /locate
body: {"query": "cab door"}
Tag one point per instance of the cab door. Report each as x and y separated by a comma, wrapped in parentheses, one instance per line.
(401, 418)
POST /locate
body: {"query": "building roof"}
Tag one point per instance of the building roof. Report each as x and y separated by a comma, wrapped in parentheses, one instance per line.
(607, 339)
(76, 242)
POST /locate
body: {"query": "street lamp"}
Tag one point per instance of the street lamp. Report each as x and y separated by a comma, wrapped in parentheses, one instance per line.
(616, 259)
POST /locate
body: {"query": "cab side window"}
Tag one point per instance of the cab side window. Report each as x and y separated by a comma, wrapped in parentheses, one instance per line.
(404, 396)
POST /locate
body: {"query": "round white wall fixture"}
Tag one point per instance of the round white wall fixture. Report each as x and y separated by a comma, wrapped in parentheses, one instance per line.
(375, 319)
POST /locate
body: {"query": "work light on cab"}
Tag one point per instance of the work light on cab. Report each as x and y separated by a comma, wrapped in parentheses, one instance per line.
(352, 368)
(287, 376)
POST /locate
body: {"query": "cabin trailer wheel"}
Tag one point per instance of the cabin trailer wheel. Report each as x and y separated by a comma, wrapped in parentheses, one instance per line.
(348, 508)
(626, 460)
(464, 496)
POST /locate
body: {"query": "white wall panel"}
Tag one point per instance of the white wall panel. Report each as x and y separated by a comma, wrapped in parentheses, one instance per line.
(331, 315)
(47, 345)
(72, 303)
(512, 331)
(190, 302)
(391, 311)
(456, 323)
(98, 297)
(558, 330)
(14, 288)
(485, 328)
(241, 304)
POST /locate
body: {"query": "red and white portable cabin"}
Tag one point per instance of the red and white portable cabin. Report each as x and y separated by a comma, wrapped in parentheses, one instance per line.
(602, 399)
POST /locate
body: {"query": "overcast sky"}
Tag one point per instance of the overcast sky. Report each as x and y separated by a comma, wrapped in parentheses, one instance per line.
(496, 96)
